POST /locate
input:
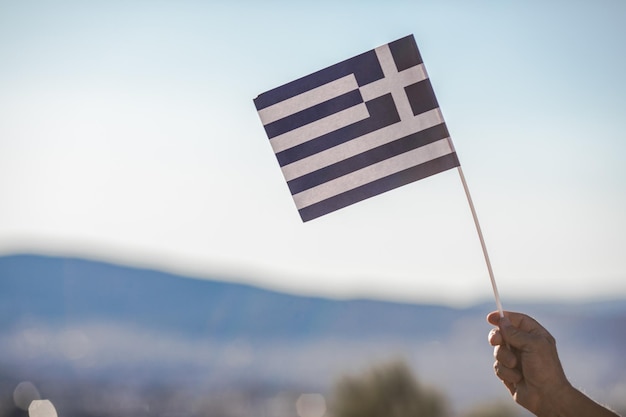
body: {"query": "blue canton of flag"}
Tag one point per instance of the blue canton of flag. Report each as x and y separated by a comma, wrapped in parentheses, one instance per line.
(356, 129)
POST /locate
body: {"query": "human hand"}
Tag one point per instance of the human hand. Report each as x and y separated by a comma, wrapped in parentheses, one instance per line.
(527, 362)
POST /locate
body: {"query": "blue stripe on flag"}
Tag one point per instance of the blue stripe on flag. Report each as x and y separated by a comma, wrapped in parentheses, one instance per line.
(314, 113)
(365, 68)
(380, 186)
(382, 113)
(367, 158)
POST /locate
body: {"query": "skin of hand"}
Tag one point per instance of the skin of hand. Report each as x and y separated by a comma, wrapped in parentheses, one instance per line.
(527, 362)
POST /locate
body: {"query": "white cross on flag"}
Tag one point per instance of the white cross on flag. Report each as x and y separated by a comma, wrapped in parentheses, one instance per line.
(356, 129)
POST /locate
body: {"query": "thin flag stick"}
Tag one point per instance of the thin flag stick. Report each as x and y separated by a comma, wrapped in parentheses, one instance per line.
(482, 243)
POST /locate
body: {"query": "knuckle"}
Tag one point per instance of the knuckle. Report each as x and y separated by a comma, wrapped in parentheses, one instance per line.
(497, 368)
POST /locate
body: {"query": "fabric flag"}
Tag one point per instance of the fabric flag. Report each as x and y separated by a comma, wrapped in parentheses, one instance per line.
(356, 129)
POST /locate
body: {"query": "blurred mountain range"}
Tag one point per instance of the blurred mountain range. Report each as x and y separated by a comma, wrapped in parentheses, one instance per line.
(107, 339)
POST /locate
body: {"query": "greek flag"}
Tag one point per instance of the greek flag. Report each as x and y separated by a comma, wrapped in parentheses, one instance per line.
(356, 129)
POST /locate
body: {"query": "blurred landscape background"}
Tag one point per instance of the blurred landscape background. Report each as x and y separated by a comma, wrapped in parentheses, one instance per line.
(112, 340)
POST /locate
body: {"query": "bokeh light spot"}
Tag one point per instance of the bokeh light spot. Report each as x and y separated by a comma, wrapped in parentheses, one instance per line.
(42, 408)
(24, 393)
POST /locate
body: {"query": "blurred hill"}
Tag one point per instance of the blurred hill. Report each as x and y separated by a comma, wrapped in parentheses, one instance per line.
(59, 290)
(102, 330)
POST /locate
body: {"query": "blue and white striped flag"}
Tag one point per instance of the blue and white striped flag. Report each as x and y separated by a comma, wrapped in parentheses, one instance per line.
(356, 129)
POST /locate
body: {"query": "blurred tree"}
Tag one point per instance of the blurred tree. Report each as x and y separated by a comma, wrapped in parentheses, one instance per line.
(388, 390)
(496, 409)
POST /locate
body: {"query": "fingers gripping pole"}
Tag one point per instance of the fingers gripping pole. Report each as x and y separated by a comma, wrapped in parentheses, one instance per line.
(482, 243)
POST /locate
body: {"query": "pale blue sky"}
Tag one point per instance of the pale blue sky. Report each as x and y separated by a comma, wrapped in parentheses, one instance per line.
(128, 132)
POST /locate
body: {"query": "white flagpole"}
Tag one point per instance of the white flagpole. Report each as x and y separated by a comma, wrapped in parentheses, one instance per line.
(482, 243)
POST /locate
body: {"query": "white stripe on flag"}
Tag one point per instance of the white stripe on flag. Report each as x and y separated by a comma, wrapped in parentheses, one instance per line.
(319, 127)
(372, 173)
(361, 144)
(308, 99)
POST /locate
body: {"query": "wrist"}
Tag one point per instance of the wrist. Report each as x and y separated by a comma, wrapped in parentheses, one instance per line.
(567, 401)
(559, 401)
